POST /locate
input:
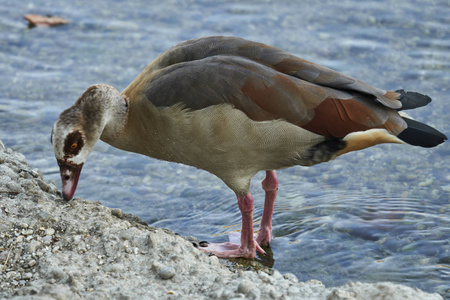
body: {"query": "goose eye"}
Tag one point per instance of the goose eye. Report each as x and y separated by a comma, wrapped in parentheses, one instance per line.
(73, 143)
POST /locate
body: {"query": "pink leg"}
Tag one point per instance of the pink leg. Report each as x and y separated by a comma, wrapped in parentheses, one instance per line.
(248, 246)
(270, 185)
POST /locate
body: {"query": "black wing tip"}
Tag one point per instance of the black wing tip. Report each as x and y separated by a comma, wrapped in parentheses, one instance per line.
(412, 100)
(419, 134)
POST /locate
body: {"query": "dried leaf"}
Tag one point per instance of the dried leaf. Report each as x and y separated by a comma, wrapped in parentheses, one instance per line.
(44, 21)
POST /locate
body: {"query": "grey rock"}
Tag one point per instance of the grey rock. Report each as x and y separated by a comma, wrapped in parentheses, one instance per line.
(291, 277)
(83, 250)
(244, 287)
(47, 240)
(2, 157)
(167, 273)
(37, 173)
(117, 212)
(254, 294)
(32, 263)
(33, 246)
(57, 274)
(49, 231)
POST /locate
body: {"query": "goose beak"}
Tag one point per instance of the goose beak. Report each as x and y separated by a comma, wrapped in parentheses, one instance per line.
(69, 176)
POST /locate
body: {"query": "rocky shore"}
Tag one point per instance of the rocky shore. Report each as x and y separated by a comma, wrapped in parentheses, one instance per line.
(53, 249)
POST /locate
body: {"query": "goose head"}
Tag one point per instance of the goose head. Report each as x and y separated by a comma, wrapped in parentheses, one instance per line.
(99, 112)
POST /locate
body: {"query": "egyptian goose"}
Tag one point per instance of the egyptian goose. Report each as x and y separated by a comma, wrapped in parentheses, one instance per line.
(235, 107)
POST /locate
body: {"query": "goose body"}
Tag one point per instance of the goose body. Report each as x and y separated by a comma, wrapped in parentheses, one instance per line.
(235, 107)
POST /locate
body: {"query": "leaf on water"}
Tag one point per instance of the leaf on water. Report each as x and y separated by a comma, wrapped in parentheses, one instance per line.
(44, 21)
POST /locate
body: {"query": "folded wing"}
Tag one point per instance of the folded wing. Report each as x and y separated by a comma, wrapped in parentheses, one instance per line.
(266, 83)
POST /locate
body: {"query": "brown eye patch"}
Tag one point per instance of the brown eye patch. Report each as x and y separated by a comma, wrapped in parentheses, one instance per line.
(73, 143)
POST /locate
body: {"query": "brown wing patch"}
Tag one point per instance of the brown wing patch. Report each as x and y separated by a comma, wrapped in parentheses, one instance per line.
(266, 94)
(337, 118)
(283, 97)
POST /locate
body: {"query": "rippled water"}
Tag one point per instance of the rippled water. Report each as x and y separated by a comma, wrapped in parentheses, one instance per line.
(380, 214)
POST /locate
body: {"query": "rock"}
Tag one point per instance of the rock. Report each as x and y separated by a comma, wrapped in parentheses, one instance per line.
(291, 277)
(36, 173)
(245, 287)
(254, 294)
(385, 290)
(167, 273)
(83, 250)
(47, 240)
(275, 294)
(49, 231)
(32, 263)
(33, 246)
(117, 212)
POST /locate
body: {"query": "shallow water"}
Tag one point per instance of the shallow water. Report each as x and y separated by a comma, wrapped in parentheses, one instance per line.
(379, 214)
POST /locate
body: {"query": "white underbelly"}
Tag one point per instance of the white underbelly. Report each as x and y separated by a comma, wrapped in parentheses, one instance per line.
(225, 142)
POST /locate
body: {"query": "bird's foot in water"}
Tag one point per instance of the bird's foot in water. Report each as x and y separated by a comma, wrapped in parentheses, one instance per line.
(264, 237)
(232, 249)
